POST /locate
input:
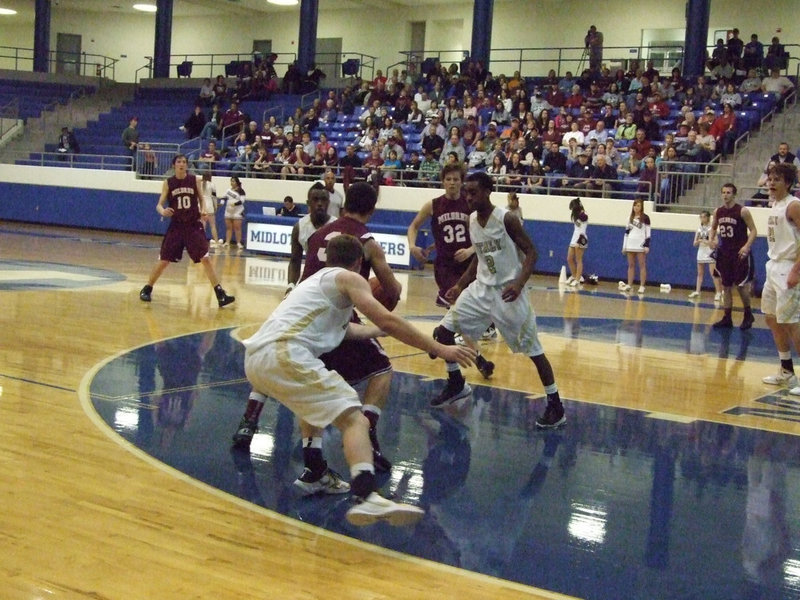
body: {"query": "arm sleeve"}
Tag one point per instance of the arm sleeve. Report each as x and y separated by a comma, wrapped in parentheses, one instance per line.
(646, 243)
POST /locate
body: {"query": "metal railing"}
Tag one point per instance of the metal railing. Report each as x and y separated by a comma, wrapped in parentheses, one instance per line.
(691, 185)
(9, 115)
(76, 63)
(331, 63)
(70, 160)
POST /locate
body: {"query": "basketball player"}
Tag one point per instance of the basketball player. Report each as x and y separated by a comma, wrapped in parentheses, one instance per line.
(732, 234)
(449, 216)
(180, 202)
(317, 200)
(283, 360)
(780, 298)
(493, 288)
(356, 361)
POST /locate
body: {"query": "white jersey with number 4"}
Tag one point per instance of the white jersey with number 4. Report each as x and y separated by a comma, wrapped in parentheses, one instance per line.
(498, 261)
(782, 235)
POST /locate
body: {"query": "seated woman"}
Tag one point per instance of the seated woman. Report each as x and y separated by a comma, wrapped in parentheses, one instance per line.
(724, 130)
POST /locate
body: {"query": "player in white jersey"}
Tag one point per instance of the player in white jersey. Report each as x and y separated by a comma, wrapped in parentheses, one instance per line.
(282, 360)
(317, 200)
(780, 298)
(492, 289)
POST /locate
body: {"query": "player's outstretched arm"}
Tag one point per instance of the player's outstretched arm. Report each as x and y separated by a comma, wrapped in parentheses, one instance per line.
(357, 289)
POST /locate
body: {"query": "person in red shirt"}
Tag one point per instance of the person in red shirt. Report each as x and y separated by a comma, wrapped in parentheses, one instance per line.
(724, 130)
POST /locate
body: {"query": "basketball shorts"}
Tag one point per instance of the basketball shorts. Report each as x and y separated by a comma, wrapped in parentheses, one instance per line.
(291, 374)
(735, 271)
(357, 360)
(180, 236)
(447, 272)
(777, 298)
(479, 305)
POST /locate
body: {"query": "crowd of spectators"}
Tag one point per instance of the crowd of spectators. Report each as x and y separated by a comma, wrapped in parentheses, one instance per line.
(570, 133)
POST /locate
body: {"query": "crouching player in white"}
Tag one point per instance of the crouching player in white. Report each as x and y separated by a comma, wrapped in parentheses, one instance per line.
(493, 289)
(282, 361)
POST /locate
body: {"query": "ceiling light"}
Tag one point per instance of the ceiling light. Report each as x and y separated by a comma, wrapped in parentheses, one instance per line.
(283, 2)
(146, 7)
(7, 11)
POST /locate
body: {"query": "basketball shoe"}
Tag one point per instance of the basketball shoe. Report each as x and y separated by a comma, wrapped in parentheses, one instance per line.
(244, 434)
(330, 482)
(454, 390)
(376, 508)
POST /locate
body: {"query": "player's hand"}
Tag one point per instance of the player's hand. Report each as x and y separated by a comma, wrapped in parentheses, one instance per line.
(462, 355)
(420, 255)
(793, 279)
(453, 293)
(511, 292)
(168, 212)
(463, 254)
(646, 250)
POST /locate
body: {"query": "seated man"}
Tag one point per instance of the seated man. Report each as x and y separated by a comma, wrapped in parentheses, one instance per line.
(579, 173)
(603, 177)
(207, 160)
(67, 144)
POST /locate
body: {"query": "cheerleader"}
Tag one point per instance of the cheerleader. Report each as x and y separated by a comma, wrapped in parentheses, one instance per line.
(702, 238)
(578, 243)
(208, 208)
(636, 245)
(234, 212)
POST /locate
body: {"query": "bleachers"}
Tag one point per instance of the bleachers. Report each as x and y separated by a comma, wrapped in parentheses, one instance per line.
(34, 97)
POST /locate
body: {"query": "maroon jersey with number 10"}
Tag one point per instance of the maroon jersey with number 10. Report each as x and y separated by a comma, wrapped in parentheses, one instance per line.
(183, 199)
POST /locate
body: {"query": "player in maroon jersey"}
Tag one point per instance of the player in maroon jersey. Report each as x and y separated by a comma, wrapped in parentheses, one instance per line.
(732, 234)
(179, 202)
(449, 216)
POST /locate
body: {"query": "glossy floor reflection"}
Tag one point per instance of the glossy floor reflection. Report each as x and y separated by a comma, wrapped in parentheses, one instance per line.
(620, 504)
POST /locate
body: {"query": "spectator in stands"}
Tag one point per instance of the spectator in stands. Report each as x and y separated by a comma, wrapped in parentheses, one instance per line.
(603, 177)
(629, 165)
(500, 115)
(626, 128)
(206, 95)
(648, 177)
(351, 165)
(251, 132)
(245, 161)
(536, 182)
(650, 127)
(429, 168)
(574, 134)
(289, 208)
(292, 79)
(477, 158)
(411, 169)
(612, 154)
(207, 160)
(299, 161)
(232, 120)
(220, 90)
(735, 48)
(579, 173)
(368, 140)
(194, 125)
(753, 56)
(310, 121)
(280, 164)
(691, 99)
(690, 151)
(706, 140)
(599, 133)
(554, 96)
(731, 96)
(433, 112)
(432, 137)
(776, 84)
(392, 145)
(516, 173)
(67, 143)
(703, 89)
(332, 159)
(309, 146)
(724, 130)
(554, 161)
(130, 139)
(148, 162)
(776, 58)
(658, 106)
(575, 99)
(784, 156)
(317, 166)
(262, 164)
(594, 47)
(641, 144)
(752, 83)
(566, 83)
(372, 165)
(497, 169)
(212, 127)
(761, 197)
(415, 116)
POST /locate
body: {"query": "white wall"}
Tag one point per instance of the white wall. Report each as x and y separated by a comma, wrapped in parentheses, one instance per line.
(517, 23)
